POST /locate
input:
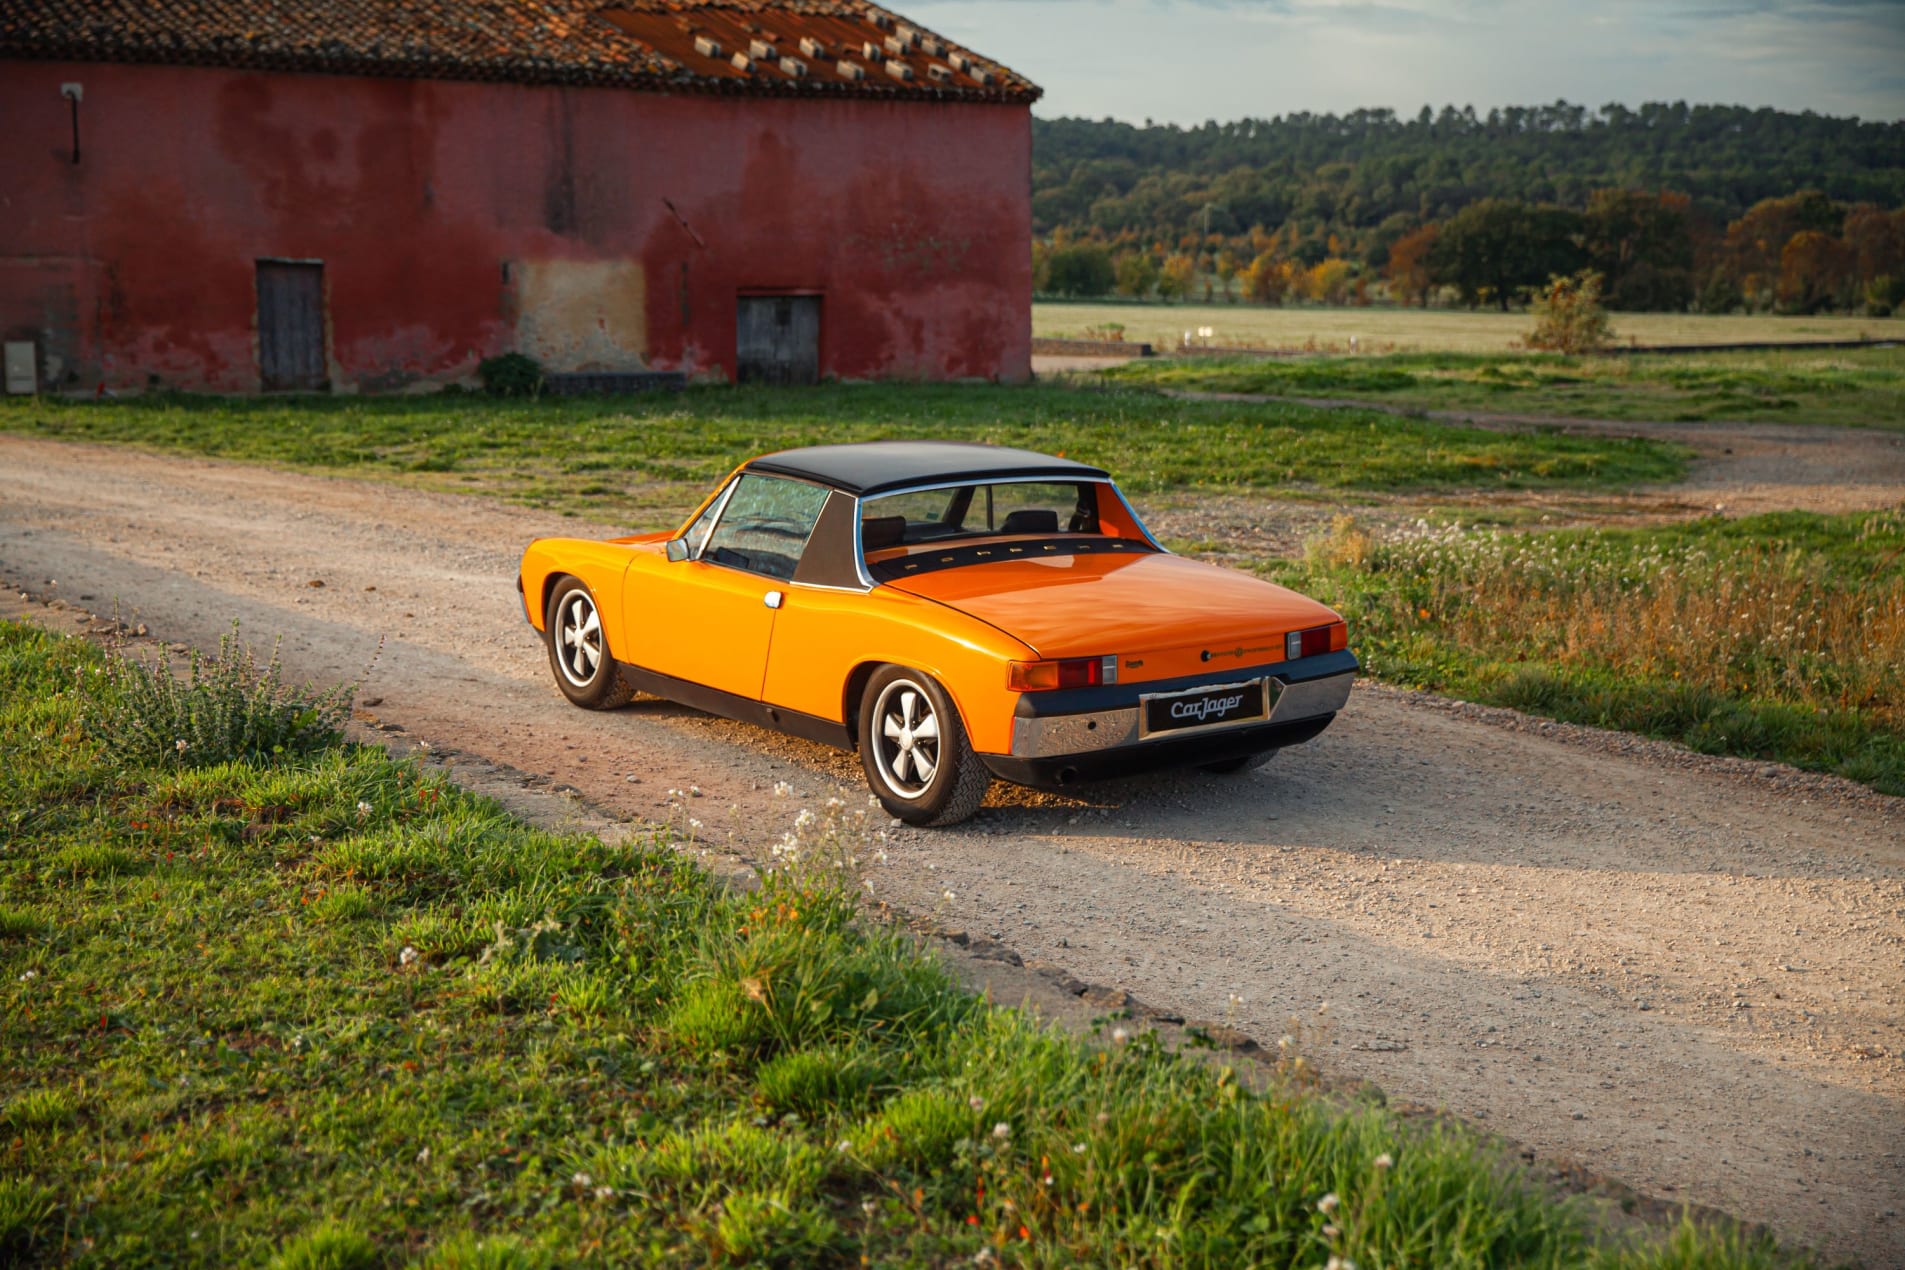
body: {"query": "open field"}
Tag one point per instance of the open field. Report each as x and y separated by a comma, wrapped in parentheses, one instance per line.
(1778, 637)
(1478, 896)
(646, 460)
(321, 1008)
(1385, 330)
(1855, 387)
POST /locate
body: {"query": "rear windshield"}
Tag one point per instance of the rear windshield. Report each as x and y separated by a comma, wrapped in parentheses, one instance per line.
(979, 511)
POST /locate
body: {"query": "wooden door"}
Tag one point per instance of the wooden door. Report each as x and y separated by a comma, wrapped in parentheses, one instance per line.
(290, 325)
(777, 339)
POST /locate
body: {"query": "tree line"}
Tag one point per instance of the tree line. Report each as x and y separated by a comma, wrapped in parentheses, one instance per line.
(1710, 208)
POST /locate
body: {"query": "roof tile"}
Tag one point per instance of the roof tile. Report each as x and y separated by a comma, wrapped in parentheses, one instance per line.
(640, 44)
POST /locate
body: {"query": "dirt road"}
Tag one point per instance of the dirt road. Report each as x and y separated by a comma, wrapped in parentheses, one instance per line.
(1682, 972)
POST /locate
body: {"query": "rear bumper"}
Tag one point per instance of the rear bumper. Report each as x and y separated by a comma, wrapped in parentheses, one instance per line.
(1095, 733)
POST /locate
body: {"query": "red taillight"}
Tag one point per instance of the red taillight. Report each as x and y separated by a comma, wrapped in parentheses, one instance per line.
(1333, 638)
(1074, 672)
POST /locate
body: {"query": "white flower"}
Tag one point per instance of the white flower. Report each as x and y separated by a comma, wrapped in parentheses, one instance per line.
(834, 802)
(604, 1192)
(407, 956)
(868, 1206)
(976, 1103)
(1385, 1161)
(783, 790)
(1078, 1148)
(363, 809)
(29, 975)
(1331, 1230)
(1339, 1263)
(423, 1156)
(880, 856)
(805, 818)
(694, 791)
(693, 823)
(180, 745)
(1119, 1036)
(948, 896)
(1327, 1204)
(583, 1179)
(843, 1146)
(1002, 1131)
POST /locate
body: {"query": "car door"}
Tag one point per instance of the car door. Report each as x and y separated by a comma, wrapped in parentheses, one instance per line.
(709, 619)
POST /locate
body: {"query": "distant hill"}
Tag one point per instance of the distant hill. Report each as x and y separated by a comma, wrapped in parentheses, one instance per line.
(1372, 175)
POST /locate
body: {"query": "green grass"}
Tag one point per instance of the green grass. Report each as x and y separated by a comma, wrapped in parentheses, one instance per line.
(1776, 637)
(1864, 387)
(647, 459)
(1387, 329)
(510, 1047)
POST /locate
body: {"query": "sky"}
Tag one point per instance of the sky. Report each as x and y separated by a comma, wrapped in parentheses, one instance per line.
(1187, 61)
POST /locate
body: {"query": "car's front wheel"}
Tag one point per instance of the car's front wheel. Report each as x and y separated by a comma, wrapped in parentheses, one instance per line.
(579, 649)
(915, 751)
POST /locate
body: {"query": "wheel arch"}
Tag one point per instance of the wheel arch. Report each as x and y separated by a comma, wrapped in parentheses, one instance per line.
(853, 694)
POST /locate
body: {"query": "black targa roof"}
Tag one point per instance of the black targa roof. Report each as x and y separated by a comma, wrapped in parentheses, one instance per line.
(871, 467)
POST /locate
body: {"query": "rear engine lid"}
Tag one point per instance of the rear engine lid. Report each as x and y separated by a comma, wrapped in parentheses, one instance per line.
(1096, 604)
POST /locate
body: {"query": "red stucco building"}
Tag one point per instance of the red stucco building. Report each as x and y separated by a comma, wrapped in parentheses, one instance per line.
(376, 195)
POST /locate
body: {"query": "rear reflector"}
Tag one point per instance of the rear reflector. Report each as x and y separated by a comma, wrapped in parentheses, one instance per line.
(1075, 672)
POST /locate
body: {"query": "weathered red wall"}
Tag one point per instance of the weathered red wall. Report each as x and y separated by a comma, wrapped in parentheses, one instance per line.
(429, 203)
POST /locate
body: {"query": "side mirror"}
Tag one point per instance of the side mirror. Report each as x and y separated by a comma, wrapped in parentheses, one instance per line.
(677, 549)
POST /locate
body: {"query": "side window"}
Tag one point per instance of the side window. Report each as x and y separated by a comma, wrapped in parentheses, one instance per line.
(764, 527)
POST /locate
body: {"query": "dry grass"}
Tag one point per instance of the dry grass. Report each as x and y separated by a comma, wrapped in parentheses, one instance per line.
(1779, 637)
(1384, 330)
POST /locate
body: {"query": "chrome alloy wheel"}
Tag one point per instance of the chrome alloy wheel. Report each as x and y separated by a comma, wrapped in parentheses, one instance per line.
(578, 639)
(906, 748)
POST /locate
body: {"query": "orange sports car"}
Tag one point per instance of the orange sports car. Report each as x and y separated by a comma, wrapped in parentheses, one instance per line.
(955, 612)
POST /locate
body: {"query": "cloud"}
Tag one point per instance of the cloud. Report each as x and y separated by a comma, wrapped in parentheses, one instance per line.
(1191, 60)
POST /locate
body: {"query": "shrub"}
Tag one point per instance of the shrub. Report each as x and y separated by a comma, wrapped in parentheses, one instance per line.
(226, 709)
(1570, 316)
(511, 375)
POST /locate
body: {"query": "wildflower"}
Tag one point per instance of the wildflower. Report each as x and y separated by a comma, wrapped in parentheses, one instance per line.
(180, 745)
(948, 896)
(583, 1179)
(604, 1193)
(805, 818)
(1331, 1230)
(868, 1206)
(423, 1156)
(1385, 1161)
(1339, 1263)
(407, 956)
(29, 976)
(1002, 1131)
(880, 856)
(976, 1103)
(693, 823)
(1327, 1205)
(843, 1146)
(783, 790)
(1285, 1041)
(694, 791)
(1119, 1036)
(1078, 1148)
(363, 809)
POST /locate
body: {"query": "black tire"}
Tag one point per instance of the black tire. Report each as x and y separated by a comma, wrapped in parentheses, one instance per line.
(579, 655)
(913, 746)
(1237, 766)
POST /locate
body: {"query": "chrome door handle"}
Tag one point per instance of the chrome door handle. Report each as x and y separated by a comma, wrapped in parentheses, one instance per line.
(773, 599)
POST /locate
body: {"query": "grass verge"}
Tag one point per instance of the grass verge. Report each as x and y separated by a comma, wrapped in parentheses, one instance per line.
(1862, 387)
(324, 1010)
(1779, 637)
(647, 459)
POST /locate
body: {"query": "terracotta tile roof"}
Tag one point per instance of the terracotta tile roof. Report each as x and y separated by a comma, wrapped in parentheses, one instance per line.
(789, 48)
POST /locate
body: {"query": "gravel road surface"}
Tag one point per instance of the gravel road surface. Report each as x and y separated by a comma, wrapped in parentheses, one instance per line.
(1682, 972)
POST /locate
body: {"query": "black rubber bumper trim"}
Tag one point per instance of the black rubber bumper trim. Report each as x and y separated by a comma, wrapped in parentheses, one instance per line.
(1040, 705)
(1151, 756)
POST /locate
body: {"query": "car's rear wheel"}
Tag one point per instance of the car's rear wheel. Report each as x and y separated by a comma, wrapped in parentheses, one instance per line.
(914, 748)
(579, 649)
(1235, 766)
